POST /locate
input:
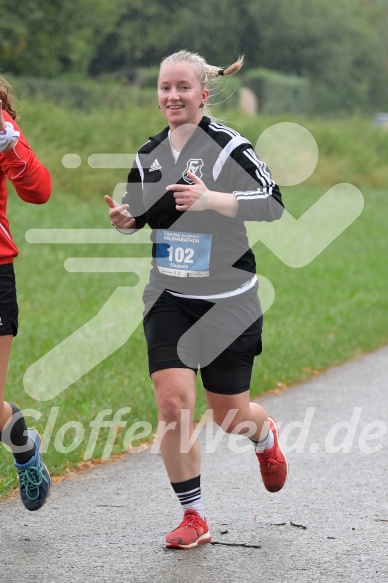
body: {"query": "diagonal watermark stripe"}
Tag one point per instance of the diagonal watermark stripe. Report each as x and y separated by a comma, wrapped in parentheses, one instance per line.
(297, 242)
(91, 344)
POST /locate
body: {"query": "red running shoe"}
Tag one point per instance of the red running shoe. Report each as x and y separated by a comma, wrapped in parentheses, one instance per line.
(273, 463)
(191, 532)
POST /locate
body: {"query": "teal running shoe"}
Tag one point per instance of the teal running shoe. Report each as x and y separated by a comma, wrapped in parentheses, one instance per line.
(34, 477)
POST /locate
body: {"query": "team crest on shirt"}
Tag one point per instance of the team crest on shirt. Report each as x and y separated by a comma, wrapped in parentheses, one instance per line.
(194, 165)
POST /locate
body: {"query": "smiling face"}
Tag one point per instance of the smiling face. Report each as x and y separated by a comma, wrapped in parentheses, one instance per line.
(180, 94)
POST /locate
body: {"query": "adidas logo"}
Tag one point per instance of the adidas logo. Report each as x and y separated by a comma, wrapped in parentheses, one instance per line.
(155, 165)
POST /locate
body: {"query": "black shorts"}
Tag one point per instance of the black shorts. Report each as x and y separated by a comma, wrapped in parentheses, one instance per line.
(8, 302)
(221, 338)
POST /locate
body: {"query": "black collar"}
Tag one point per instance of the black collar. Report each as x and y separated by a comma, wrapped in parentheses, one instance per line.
(159, 138)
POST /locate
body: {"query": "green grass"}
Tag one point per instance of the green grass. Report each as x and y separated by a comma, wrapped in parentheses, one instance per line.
(324, 314)
(335, 308)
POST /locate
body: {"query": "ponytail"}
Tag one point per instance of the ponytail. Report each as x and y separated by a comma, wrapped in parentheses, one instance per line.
(214, 72)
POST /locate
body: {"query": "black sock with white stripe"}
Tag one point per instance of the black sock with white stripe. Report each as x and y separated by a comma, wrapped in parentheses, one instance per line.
(15, 435)
(265, 443)
(189, 494)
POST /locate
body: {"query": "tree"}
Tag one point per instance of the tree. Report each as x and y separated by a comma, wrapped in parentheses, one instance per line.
(51, 37)
(341, 46)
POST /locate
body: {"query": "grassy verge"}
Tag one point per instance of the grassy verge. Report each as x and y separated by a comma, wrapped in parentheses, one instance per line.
(351, 150)
(325, 313)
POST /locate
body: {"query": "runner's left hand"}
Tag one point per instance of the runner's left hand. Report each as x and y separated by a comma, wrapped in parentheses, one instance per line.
(190, 197)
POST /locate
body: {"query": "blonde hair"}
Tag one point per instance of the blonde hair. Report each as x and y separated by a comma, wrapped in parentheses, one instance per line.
(7, 98)
(205, 73)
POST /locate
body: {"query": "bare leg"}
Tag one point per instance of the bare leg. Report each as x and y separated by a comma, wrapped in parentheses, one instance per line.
(175, 393)
(248, 418)
(5, 350)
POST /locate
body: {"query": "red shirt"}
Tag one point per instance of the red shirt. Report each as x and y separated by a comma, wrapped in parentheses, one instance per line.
(31, 181)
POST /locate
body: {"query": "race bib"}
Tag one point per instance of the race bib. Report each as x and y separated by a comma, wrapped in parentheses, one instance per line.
(183, 254)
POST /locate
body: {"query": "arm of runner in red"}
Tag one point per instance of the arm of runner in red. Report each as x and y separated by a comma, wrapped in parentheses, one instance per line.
(29, 177)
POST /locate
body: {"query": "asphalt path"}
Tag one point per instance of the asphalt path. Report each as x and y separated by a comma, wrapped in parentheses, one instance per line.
(328, 524)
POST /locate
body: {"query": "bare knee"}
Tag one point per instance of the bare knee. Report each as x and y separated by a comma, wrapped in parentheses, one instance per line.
(173, 398)
(170, 404)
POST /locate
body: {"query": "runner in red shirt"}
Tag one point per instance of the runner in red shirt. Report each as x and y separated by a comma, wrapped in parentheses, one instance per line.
(32, 183)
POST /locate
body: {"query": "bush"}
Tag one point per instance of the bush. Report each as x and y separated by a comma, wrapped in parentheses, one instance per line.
(84, 95)
(148, 77)
(279, 93)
